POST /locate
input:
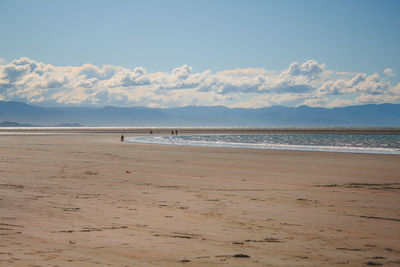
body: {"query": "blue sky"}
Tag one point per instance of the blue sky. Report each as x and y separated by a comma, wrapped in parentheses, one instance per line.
(343, 38)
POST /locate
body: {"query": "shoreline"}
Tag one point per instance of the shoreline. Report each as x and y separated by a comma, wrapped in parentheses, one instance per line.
(160, 131)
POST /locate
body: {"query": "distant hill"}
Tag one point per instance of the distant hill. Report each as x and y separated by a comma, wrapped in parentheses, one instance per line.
(15, 124)
(383, 115)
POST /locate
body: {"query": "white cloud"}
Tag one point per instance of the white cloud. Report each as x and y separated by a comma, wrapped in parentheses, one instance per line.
(310, 69)
(309, 83)
(389, 72)
(360, 77)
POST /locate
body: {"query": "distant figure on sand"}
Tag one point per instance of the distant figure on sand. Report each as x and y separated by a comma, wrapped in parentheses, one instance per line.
(122, 138)
(172, 132)
(176, 132)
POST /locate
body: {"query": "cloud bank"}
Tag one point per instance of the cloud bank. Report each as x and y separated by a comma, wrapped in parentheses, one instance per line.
(308, 83)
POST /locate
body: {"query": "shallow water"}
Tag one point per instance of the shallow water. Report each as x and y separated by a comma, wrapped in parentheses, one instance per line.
(347, 143)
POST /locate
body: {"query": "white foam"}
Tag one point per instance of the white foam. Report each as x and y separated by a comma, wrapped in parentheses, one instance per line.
(166, 140)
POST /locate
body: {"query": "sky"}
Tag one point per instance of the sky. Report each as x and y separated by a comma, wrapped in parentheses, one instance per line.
(170, 53)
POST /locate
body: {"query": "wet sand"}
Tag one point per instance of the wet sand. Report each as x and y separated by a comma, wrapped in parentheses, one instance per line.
(90, 200)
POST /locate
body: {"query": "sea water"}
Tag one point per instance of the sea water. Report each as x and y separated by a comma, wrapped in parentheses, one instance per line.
(350, 143)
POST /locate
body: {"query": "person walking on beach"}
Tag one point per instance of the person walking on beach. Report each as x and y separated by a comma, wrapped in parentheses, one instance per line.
(122, 138)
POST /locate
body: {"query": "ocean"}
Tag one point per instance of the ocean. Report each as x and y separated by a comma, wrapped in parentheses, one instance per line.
(345, 143)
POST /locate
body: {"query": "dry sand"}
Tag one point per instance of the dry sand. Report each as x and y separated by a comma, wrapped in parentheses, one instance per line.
(90, 200)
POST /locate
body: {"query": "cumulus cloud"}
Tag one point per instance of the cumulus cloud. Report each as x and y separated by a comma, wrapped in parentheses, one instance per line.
(308, 83)
(389, 72)
(310, 69)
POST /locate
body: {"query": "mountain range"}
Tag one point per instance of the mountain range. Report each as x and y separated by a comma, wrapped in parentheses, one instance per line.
(371, 115)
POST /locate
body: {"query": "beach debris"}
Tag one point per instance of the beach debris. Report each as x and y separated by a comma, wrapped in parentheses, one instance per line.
(268, 239)
(66, 231)
(68, 208)
(350, 249)
(12, 225)
(12, 185)
(308, 200)
(241, 256)
(372, 186)
(373, 263)
(128, 172)
(182, 236)
(328, 185)
(185, 260)
(90, 173)
(303, 257)
(93, 229)
(373, 217)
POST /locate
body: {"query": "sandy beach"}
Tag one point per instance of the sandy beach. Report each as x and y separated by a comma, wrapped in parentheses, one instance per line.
(90, 200)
